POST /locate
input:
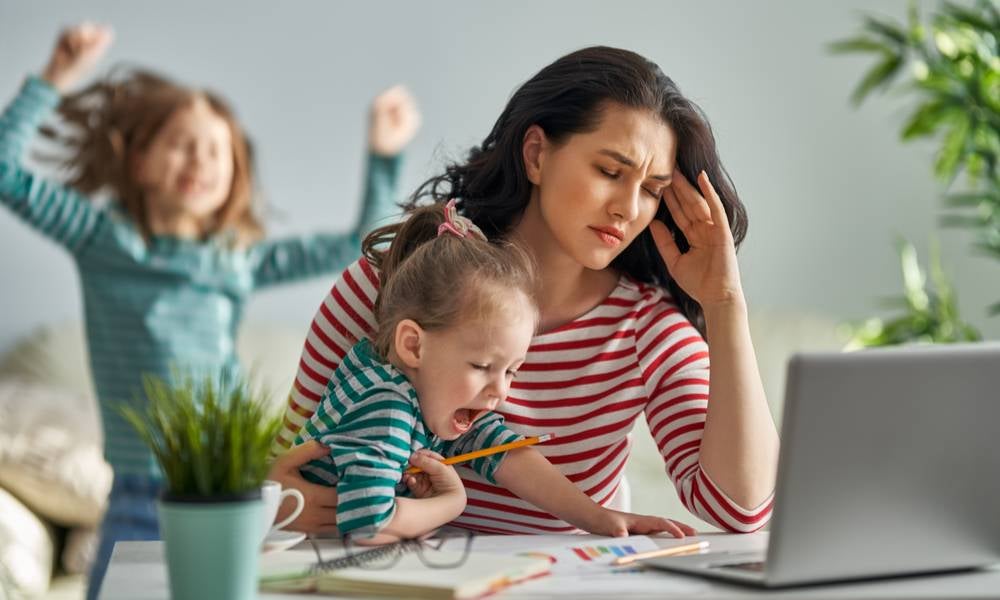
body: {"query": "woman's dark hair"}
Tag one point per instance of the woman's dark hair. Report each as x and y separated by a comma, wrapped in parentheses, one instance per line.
(568, 97)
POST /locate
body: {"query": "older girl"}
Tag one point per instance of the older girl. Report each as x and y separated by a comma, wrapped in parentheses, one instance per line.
(167, 266)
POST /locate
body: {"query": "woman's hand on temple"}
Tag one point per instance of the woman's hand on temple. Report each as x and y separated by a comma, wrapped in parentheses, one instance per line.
(319, 514)
(77, 50)
(708, 271)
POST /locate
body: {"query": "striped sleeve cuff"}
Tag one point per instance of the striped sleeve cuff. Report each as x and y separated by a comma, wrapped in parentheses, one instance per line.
(41, 92)
(712, 504)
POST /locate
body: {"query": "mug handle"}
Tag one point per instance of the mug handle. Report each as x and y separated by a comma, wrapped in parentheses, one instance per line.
(299, 500)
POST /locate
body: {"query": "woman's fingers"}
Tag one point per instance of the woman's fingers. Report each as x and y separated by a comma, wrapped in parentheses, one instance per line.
(713, 201)
(665, 243)
(694, 204)
(296, 456)
(687, 529)
(676, 210)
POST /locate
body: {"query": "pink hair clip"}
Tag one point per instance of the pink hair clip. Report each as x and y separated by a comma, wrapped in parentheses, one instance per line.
(458, 225)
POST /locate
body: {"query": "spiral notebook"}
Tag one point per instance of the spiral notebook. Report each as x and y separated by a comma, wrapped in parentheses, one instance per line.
(480, 575)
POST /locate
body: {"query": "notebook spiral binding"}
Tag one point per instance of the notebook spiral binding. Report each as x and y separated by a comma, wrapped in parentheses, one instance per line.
(354, 560)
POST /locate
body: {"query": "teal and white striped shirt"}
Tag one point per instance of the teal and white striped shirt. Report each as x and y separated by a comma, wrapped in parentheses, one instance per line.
(167, 303)
(370, 419)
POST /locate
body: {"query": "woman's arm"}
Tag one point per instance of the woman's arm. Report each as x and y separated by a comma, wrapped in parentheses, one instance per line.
(739, 447)
(738, 450)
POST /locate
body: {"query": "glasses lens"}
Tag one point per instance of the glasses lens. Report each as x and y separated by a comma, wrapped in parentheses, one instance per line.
(446, 550)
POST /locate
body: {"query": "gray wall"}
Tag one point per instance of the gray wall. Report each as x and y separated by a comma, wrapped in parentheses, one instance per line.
(826, 186)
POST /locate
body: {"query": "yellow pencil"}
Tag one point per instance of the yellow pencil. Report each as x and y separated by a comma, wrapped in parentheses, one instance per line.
(487, 451)
(675, 551)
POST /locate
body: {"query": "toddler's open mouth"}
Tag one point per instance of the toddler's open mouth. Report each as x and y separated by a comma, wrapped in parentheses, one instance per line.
(465, 417)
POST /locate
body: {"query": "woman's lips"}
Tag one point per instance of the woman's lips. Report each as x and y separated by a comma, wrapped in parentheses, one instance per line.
(612, 238)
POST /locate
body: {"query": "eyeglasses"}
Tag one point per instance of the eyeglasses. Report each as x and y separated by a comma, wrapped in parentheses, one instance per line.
(443, 549)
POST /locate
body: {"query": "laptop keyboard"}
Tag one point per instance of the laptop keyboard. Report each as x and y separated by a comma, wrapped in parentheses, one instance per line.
(756, 566)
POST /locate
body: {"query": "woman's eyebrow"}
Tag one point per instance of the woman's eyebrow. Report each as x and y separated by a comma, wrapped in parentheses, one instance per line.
(628, 162)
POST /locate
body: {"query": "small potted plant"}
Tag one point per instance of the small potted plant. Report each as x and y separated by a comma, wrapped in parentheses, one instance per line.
(211, 439)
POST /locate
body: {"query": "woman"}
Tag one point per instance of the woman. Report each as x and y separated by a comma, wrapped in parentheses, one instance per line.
(610, 178)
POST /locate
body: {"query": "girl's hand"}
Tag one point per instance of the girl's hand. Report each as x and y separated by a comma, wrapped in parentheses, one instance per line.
(437, 479)
(77, 51)
(708, 271)
(394, 121)
(319, 513)
(620, 524)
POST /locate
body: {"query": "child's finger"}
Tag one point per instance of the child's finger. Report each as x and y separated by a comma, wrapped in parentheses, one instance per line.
(429, 453)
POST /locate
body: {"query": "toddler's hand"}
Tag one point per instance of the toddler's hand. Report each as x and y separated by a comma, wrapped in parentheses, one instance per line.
(436, 480)
(394, 121)
(77, 50)
(620, 524)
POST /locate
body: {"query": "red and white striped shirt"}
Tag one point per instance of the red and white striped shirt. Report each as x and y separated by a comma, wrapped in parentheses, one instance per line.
(586, 381)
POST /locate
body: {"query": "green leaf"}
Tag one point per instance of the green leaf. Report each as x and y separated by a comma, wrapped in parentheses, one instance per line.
(210, 437)
(886, 29)
(969, 200)
(968, 16)
(960, 221)
(952, 150)
(926, 119)
(879, 75)
(858, 44)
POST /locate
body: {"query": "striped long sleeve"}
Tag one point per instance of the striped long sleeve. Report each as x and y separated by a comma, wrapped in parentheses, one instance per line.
(674, 363)
(54, 210)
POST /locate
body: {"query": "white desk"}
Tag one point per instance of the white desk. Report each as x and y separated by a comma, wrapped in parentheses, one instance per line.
(137, 572)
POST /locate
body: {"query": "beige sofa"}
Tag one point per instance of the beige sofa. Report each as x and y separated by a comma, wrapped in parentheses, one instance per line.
(53, 480)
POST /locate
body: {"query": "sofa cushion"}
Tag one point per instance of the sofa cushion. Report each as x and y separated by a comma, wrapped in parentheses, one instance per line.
(26, 547)
(50, 452)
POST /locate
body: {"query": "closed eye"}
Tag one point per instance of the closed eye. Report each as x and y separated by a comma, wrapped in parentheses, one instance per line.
(609, 174)
(654, 193)
(479, 367)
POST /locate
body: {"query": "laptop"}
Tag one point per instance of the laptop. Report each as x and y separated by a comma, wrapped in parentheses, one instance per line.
(889, 465)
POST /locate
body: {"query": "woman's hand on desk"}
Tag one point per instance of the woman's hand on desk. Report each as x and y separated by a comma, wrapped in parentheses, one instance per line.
(620, 524)
(319, 515)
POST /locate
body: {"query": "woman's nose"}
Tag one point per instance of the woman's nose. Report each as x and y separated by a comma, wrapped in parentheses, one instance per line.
(625, 206)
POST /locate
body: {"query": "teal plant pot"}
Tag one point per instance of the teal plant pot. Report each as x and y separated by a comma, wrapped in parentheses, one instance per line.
(212, 545)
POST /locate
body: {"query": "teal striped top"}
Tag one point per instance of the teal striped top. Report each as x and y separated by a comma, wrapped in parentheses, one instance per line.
(167, 304)
(370, 419)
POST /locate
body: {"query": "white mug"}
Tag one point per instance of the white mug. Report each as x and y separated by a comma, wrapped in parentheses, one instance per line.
(273, 496)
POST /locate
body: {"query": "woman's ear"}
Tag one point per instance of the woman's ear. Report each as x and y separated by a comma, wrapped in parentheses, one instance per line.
(533, 151)
(407, 342)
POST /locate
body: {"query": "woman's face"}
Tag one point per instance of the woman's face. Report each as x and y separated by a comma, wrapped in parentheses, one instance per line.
(597, 191)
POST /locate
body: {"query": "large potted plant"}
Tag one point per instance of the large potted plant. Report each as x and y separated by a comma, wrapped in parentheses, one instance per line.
(949, 63)
(211, 439)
